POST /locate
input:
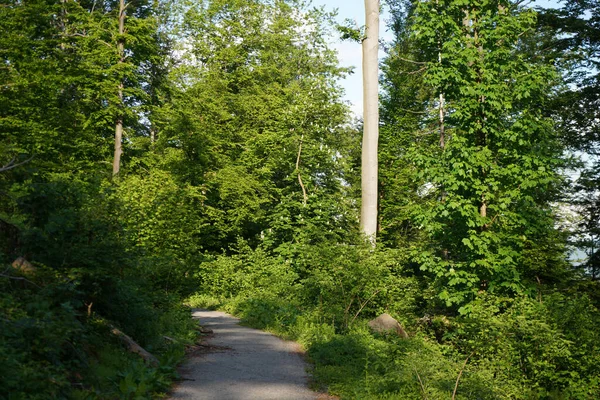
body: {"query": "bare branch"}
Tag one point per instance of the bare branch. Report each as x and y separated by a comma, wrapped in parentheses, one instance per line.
(304, 195)
(421, 383)
(133, 347)
(417, 71)
(20, 278)
(411, 61)
(363, 304)
(459, 375)
(412, 112)
(11, 164)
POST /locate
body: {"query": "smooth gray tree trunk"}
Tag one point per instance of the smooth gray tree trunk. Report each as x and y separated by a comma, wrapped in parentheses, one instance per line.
(370, 48)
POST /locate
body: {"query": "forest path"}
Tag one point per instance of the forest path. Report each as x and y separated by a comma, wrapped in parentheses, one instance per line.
(239, 363)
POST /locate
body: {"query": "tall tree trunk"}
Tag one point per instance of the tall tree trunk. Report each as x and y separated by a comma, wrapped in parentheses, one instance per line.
(441, 120)
(119, 122)
(442, 100)
(480, 140)
(370, 48)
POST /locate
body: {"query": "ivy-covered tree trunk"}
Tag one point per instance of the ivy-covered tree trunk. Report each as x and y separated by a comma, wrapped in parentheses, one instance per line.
(370, 48)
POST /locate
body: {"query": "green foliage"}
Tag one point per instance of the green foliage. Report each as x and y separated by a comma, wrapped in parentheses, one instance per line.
(342, 281)
(166, 224)
(472, 155)
(351, 31)
(52, 348)
(120, 376)
(55, 325)
(362, 366)
(248, 273)
(240, 184)
(350, 280)
(39, 340)
(60, 79)
(322, 295)
(576, 45)
(210, 149)
(252, 98)
(527, 345)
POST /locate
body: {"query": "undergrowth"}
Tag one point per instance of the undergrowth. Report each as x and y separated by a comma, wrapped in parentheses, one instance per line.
(505, 348)
(84, 280)
(53, 346)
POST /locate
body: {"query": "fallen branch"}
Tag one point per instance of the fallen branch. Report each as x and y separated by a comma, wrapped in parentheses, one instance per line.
(133, 347)
(20, 278)
(459, 375)
(421, 383)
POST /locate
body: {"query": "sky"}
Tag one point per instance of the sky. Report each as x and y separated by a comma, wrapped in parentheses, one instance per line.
(349, 53)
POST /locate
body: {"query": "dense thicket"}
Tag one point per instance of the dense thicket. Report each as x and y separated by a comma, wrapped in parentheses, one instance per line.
(239, 188)
(60, 77)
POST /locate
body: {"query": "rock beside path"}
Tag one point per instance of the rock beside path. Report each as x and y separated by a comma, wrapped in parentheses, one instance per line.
(240, 363)
(386, 323)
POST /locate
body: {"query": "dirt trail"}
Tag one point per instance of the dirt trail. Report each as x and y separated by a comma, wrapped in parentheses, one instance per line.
(240, 363)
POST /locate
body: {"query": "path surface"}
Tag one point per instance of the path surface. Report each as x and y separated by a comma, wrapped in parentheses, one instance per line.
(241, 363)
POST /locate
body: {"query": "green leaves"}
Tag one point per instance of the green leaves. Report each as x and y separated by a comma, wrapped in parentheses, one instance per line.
(351, 31)
(256, 108)
(480, 143)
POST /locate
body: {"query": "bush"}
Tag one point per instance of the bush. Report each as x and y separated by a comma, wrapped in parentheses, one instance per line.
(247, 273)
(55, 339)
(517, 348)
(521, 342)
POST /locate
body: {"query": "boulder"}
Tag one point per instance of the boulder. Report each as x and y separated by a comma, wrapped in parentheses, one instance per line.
(24, 266)
(385, 323)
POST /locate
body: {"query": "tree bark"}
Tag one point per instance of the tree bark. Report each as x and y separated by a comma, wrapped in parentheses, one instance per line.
(119, 121)
(442, 100)
(304, 194)
(442, 127)
(370, 48)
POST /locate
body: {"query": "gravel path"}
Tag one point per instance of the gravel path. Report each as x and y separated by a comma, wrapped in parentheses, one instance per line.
(239, 363)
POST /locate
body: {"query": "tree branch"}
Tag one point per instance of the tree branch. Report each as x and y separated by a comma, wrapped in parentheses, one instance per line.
(133, 347)
(459, 375)
(20, 278)
(304, 195)
(11, 164)
(363, 304)
(411, 61)
(417, 71)
(421, 383)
